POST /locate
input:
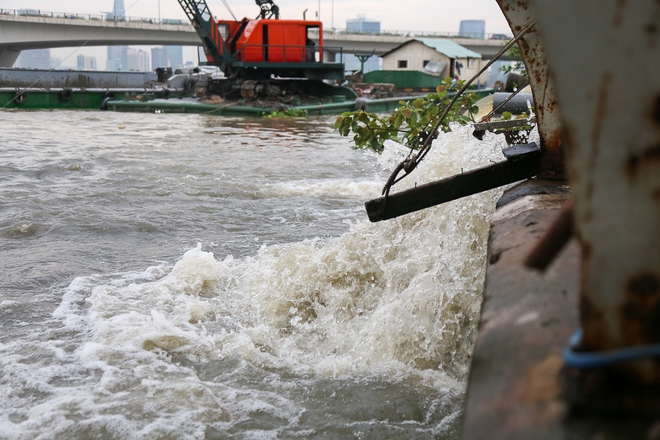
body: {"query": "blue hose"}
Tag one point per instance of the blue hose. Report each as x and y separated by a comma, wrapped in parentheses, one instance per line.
(601, 359)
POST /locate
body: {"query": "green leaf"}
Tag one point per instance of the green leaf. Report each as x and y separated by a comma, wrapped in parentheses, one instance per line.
(398, 120)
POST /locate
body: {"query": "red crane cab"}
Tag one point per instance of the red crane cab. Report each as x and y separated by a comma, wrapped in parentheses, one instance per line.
(272, 41)
(279, 47)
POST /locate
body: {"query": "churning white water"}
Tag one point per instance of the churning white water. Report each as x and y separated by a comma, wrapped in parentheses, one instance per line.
(354, 330)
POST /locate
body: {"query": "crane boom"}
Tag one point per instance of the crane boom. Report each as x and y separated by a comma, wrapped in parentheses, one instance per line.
(200, 17)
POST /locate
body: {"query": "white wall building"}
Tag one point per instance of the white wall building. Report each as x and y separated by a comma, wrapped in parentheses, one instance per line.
(439, 56)
(138, 60)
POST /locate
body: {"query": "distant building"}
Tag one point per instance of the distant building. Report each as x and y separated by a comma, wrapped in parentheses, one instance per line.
(362, 25)
(352, 63)
(55, 62)
(175, 55)
(472, 29)
(112, 65)
(159, 58)
(137, 61)
(86, 63)
(117, 58)
(117, 55)
(436, 56)
(118, 11)
(34, 59)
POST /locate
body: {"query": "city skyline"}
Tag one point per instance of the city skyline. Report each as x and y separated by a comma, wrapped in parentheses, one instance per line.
(422, 15)
(440, 16)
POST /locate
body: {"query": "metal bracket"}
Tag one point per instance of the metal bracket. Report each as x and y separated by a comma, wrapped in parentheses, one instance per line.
(523, 161)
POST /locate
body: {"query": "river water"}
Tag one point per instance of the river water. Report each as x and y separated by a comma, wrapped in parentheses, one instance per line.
(189, 277)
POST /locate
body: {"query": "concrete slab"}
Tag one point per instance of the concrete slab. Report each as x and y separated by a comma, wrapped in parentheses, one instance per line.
(527, 318)
(516, 388)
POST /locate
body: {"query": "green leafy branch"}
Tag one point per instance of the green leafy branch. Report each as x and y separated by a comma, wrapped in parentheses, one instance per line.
(412, 122)
(519, 67)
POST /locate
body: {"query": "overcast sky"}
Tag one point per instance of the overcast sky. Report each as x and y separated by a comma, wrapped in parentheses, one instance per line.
(418, 15)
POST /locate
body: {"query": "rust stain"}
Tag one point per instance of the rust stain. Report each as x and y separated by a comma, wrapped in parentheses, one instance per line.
(597, 128)
(522, 5)
(618, 14)
(591, 317)
(552, 161)
(588, 312)
(655, 111)
(651, 28)
(569, 136)
(640, 311)
(541, 387)
(601, 110)
(589, 192)
(643, 285)
(593, 326)
(650, 156)
(504, 6)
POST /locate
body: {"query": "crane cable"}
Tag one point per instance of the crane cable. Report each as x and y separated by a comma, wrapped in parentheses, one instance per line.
(229, 9)
(67, 57)
(410, 163)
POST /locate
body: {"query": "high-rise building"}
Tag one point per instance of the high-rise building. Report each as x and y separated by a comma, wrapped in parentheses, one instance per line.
(117, 58)
(55, 62)
(362, 25)
(117, 55)
(112, 65)
(34, 59)
(86, 63)
(159, 58)
(118, 11)
(137, 60)
(472, 29)
(175, 55)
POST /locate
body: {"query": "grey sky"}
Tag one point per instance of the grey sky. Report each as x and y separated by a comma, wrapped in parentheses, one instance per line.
(419, 15)
(427, 15)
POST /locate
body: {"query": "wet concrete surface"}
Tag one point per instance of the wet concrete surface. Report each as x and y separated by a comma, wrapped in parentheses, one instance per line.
(516, 388)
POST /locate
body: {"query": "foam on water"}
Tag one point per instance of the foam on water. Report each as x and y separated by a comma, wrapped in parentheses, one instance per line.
(370, 188)
(242, 347)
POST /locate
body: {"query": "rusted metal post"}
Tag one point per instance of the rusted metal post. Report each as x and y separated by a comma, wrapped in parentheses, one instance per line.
(605, 58)
(519, 14)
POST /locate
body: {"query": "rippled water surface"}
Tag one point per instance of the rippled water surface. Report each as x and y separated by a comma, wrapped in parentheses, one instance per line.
(182, 276)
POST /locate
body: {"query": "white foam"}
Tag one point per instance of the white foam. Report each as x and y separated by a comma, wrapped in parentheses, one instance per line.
(336, 187)
(396, 300)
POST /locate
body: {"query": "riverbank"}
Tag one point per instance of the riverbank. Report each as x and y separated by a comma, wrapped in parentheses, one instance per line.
(526, 320)
(517, 387)
(166, 101)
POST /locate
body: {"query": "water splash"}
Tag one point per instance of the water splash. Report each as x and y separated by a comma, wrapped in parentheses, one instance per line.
(241, 347)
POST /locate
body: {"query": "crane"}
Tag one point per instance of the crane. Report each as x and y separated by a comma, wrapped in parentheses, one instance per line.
(263, 47)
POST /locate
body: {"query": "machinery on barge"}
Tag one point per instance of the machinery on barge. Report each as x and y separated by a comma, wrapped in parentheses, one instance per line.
(264, 57)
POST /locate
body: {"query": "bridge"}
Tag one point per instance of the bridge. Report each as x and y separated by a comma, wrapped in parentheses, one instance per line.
(48, 30)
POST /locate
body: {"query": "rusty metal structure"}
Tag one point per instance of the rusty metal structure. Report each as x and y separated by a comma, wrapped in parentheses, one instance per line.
(594, 69)
(519, 15)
